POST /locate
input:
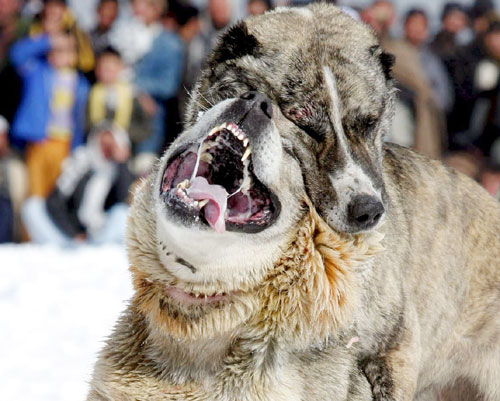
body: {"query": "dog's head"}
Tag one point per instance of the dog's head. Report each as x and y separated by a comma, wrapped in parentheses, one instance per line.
(326, 74)
(292, 105)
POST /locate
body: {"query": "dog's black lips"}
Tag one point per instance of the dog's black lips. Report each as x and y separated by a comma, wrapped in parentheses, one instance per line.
(225, 162)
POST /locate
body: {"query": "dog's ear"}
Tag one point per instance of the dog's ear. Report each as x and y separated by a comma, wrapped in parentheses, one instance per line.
(386, 60)
(236, 42)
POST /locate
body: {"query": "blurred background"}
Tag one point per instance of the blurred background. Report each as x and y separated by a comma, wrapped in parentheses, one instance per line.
(93, 91)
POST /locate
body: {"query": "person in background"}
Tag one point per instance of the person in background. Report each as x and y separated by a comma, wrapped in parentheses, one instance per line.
(479, 15)
(416, 33)
(12, 27)
(474, 146)
(381, 16)
(13, 188)
(56, 19)
(490, 175)
(107, 12)
(111, 97)
(89, 202)
(188, 26)
(462, 69)
(258, 7)
(51, 117)
(32, 8)
(447, 42)
(157, 78)
(418, 120)
(217, 17)
(7, 214)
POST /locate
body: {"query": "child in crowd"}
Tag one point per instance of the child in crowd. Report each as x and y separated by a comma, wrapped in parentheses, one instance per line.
(111, 98)
(89, 201)
(50, 120)
(56, 18)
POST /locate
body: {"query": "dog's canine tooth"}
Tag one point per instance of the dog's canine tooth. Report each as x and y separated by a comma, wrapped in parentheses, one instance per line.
(183, 184)
(213, 131)
(245, 142)
(207, 158)
(247, 153)
(203, 203)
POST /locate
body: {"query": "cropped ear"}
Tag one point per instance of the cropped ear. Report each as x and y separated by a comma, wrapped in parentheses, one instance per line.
(386, 60)
(236, 42)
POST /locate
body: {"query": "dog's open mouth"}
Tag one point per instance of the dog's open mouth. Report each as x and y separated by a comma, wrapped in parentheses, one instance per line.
(213, 182)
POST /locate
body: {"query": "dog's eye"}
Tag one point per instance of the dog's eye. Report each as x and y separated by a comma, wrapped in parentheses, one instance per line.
(302, 117)
(312, 132)
(364, 125)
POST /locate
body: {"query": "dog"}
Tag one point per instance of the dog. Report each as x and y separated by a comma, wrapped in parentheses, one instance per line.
(280, 250)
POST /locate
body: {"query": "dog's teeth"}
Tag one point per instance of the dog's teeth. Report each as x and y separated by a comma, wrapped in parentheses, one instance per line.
(207, 157)
(213, 131)
(245, 142)
(195, 203)
(247, 153)
(241, 137)
(203, 203)
(183, 184)
(223, 126)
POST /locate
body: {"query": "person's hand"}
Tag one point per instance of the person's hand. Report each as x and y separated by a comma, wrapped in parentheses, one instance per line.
(121, 153)
(4, 144)
(147, 103)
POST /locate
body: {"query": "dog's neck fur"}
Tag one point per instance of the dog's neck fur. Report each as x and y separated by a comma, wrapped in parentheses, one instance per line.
(320, 264)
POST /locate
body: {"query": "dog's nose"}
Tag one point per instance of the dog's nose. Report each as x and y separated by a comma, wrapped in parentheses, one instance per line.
(364, 211)
(260, 102)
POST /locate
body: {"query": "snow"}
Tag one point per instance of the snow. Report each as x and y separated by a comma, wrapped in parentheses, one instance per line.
(57, 306)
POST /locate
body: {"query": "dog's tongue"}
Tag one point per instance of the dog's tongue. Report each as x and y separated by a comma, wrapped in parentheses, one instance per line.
(215, 209)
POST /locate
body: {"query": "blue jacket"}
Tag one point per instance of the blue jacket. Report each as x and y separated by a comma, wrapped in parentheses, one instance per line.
(32, 116)
(159, 72)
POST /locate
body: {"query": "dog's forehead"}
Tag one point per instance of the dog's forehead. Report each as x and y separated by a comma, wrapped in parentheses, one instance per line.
(294, 45)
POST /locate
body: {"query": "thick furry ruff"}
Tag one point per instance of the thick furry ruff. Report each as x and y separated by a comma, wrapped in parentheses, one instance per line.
(304, 299)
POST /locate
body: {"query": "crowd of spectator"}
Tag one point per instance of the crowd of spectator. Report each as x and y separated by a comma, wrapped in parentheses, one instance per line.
(84, 114)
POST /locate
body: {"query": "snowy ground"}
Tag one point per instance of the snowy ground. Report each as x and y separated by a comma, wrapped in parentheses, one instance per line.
(56, 308)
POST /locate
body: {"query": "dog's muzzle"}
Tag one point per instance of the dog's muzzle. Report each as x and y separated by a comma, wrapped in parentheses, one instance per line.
(213, 181)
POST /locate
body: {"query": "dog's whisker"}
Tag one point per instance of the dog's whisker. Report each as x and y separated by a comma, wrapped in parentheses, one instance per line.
(190, 95)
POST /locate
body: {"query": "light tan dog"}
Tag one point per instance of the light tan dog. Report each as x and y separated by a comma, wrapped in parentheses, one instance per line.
(256, 245)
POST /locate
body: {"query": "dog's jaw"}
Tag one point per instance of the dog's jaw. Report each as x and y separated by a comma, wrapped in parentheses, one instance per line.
(218, 262)
(208, 260)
